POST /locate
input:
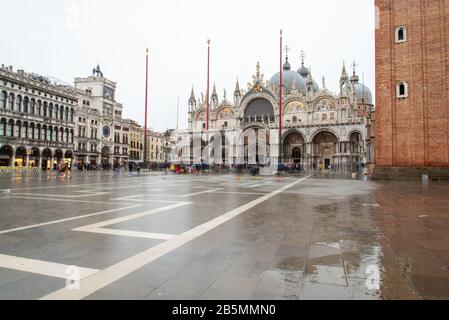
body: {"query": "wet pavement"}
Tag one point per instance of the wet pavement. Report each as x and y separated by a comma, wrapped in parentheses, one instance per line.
(222, 237)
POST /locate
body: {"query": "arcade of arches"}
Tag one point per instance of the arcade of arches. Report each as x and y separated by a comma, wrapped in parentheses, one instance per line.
(45, 159)
(325, 152)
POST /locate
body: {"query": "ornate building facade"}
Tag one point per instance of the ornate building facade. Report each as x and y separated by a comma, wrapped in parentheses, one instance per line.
(45, 123)
(321, 130)
(412, 89)
(37, 121)
(104, 137)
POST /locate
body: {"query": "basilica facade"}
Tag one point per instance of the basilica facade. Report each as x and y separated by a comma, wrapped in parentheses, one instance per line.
(322, 130)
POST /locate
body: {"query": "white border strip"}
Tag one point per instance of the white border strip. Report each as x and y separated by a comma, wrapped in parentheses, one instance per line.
(112, 274)
(65, 220)
(41, 267)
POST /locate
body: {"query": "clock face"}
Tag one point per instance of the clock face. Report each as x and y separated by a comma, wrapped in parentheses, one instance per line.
(106, 131)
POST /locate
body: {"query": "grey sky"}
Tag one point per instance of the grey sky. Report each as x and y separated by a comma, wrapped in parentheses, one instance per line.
(66, 38)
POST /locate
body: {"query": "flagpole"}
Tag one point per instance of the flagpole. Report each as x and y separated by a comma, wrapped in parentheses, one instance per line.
(146, 113)
(207, 99)
(280, 106)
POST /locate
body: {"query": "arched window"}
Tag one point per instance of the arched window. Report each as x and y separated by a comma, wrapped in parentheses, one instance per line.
(10, 129)
(45, 108)
(18, 129)
(56, 111)
(61, 113)
(50, 110)
(3, 98)
(295, 119)
(3, 127)
(44, 133)
(401, 34)
(39, 107)
(19, 104)
(402, 90)
(71, 115)
(11, 101)
(32, 105)
(38, 132)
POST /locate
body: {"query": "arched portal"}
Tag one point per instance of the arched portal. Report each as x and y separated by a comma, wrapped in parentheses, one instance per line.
(57, 158)
(324, 151)
(105, 158)
(68, 158)
(21, 155)
(6, 153)
(33, 159)
(255, 147)
(356, 150)
(294, 148)
(46, 159)
(197, 151)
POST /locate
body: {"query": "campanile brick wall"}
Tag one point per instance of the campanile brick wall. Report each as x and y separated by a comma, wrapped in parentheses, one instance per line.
(413, 132)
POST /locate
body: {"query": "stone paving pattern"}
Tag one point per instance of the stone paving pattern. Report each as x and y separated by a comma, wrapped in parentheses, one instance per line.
(313, 241)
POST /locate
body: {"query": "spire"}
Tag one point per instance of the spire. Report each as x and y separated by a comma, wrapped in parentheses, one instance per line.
(303, 71)
(355, 78)
(237, 87)
(214, 92)
(310, 78)
(344, 74)
(303, 56)
(192, 100)
(286, 66)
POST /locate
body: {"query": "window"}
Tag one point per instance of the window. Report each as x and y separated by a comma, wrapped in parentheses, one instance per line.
(295, 119)
(11, 101)
(402, 90)
(3, 98)
(401, 35)
(19, 104)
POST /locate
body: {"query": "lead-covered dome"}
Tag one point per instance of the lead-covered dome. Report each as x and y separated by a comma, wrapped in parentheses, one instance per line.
(363, 93)
(290, 79)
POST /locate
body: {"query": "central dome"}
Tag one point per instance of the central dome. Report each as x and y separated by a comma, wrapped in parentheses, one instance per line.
(290, 79)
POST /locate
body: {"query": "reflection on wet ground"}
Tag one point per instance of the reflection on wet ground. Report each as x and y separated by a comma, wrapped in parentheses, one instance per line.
(385, 240)
(320, 239)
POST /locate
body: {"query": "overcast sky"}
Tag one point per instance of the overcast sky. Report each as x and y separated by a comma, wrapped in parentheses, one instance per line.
(67, 38)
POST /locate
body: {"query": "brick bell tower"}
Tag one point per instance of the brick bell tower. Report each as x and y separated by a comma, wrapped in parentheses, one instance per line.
(412, 88)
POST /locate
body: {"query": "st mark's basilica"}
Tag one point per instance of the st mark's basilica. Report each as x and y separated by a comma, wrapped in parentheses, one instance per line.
(322, 130)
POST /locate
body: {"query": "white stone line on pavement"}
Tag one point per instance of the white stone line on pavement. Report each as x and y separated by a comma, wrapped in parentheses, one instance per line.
(255, 186)
(45, 268)
(107, 223)
(199, 193)
(73, 185)
(67, 219)
(72, 200)
(115, 272)
(132, 234)
(242, 193)
(133, 199)
(61, 186)
(61, 195)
